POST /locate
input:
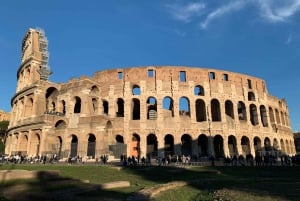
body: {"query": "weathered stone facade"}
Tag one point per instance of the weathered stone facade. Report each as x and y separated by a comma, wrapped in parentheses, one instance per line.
(4, 116)
(152, 110)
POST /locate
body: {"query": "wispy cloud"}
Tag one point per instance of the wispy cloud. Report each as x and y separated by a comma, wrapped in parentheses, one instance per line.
(223, 10)
(185, 13)
(278, 11)
(271, 11)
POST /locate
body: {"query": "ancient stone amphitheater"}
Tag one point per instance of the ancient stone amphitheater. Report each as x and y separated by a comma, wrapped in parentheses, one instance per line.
(139, 111)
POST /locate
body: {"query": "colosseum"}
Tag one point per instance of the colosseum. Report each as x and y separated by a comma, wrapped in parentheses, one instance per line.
(139, 111)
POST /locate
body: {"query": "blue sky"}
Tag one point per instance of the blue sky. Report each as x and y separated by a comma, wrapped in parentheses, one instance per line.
(255, 37)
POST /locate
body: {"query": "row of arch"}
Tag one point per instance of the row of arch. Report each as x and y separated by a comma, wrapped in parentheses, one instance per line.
(203, 146)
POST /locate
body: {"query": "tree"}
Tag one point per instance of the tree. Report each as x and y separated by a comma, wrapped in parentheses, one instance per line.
(3, 128)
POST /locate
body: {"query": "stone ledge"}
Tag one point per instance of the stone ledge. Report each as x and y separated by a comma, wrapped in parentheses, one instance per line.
(6, 175)
(115, 184)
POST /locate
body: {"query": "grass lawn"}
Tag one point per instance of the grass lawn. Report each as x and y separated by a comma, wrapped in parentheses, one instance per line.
(203, 183)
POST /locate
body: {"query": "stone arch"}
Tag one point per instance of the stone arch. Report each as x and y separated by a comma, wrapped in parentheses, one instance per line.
(136, 112)
(77, 106)
(215, 110)
(152, 145)
(251, 96)
(151, 108)
(218, 146)
(263, 116)
(136, 90)
(200, 110)
(95, 91)
(135, 145)
(272, 118)
(245, 143)
(28, 106)
(91, 146)
(169, 144)
(186, 145)
(74, 146)
(287, 145)
(267, 144)
(282, 118)
(275, 144)
(184, 106)
(203, 145)
(168, 106)
(253, 115)
(277, 116)
(23, 144)
(108, 125)
(232, 146)
(282, 146)
(229, 109)
(120, 107)
(34, 148)
(51, 99)
(95, 105)
(257, 144)
(60, 124)
(105, 106)
(119, 139)
(242, 113)
(199, 90)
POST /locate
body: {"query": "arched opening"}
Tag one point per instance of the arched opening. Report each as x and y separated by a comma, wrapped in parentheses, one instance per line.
(283, 150)
(168, 107)
(267, 144)
(151, 145)
(169, 144)
(253, 115)
(105, 107)
(245, 146)
(203, 145)
(263, 116)
(186, 145)
(135, 109)
(257, 145)
(34, 148)
(277, 117)
(242, 111)
(135, 145)
(95, 91)
(232, 146)
(119, 148)
(60, 124)
(229, 109)
(215, 110)
(251, 96)
(120, 109)
(120, 139)
(199, 90)
(91, 148)
(200, 110)
(77, 107)
(95, 105)
(151, 108)
(136, 90)
(23, 144)
(218, 146)
(51, 99)
(184, 106)
(74, 146)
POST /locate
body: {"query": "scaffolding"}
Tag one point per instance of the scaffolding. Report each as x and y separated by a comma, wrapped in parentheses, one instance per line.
(43, 48)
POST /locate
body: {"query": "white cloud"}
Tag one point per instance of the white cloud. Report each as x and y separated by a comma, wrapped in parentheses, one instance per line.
(223, 10)
(185, 13)
(271, 11)
(278, 11)
(289, 39)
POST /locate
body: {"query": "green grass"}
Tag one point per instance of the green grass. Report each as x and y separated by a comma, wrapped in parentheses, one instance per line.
(204, 183)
